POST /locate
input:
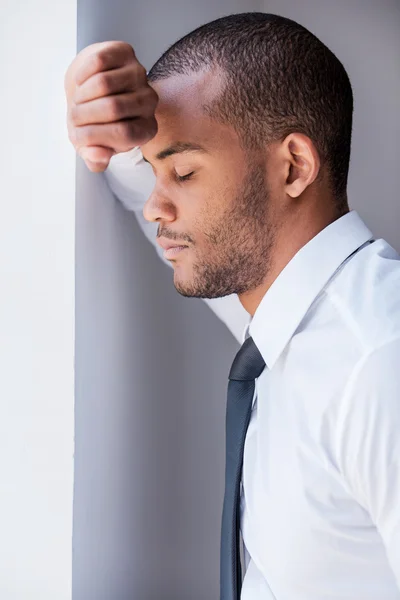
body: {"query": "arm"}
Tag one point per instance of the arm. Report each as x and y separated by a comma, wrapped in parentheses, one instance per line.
(368, 443)
(132, 180)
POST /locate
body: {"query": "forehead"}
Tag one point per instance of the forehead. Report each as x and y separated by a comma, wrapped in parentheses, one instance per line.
(181, 117)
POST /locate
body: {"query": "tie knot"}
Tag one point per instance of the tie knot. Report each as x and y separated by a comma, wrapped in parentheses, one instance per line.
(248, 362)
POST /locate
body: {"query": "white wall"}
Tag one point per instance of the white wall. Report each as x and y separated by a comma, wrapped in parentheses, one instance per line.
(37, 165)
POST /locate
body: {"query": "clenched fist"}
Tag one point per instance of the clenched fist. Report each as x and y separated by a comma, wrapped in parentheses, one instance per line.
(111, 106)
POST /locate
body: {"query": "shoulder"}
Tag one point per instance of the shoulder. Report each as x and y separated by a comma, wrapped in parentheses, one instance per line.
(377, 375)
(368, 411)
(366, 296)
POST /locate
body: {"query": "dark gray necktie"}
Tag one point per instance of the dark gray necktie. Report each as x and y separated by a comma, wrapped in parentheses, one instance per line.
(247, 365)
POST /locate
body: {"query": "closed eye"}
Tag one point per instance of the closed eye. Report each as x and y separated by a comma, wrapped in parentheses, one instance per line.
(184, 177)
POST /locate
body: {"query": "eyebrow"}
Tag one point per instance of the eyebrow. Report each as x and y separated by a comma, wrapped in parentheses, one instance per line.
(177, 148)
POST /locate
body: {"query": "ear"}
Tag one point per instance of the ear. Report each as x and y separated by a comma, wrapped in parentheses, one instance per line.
(302, 163)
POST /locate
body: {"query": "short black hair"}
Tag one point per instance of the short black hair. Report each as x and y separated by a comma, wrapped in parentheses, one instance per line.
(280, 78)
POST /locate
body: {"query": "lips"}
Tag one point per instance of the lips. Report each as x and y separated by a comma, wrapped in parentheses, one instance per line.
(167, 244)
(171, 249)
(174, 252)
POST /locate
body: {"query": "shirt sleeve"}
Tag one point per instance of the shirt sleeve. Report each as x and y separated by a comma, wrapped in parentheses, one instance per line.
(368, 442)
(132, 180)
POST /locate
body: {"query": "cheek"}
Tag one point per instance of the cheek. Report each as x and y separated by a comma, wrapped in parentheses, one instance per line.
(212, 223)
(217, 201)
(206, 217)
(205, 207)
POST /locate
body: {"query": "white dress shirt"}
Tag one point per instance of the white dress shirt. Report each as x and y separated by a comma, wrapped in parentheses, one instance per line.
(320, 501)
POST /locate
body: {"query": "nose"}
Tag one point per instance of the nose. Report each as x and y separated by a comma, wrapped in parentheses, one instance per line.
(159, 208)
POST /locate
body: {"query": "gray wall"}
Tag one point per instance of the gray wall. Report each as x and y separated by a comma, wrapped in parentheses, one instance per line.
(151, 377)
(151, 366)
(365, 36)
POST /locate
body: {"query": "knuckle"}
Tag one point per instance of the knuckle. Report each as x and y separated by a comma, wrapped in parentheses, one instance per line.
(125, 51)
(129, 50)
(133, 132)
(147, 104)
(84, 136)
(99, 60)
(139, 101)
(140, 71)
(145, 131)
(126, 132)
(73, 114)
(104, 84)
(114, 108)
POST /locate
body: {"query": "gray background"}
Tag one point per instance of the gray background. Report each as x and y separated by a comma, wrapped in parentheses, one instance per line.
(151, 366)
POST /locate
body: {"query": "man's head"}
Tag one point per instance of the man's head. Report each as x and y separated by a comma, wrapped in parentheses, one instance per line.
(263, 111)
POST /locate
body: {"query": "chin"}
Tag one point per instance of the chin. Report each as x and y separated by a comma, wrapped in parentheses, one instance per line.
(184, 284)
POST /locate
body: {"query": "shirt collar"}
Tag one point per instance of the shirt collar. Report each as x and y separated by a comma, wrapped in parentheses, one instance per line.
(293, 292)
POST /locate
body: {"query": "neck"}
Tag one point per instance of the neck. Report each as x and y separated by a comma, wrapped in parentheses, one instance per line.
(291, 237)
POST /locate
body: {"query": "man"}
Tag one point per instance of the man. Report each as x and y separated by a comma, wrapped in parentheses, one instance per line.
(246, 123)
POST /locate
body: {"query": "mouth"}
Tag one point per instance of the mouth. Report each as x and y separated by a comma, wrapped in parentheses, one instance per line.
(171, 253)
(171, 249)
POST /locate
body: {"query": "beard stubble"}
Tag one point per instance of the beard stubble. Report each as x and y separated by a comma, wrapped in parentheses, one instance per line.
(240, 244)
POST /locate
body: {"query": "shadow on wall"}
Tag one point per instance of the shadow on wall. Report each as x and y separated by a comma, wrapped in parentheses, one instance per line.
(151, 381)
